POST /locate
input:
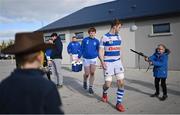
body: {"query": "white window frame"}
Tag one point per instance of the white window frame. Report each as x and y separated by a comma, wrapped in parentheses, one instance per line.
(46, 38)
(160, 34)
(78, 38)
(64, 40)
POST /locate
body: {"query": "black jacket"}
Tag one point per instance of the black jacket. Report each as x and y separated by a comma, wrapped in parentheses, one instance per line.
(57, 51)
(27, 91)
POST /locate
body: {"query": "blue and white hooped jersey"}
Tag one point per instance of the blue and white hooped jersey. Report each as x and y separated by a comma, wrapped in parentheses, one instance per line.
(111, 44)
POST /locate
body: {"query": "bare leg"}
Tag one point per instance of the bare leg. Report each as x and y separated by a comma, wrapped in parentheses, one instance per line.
(92, 71)
(106, 86)
(91, 79)
(85, 76)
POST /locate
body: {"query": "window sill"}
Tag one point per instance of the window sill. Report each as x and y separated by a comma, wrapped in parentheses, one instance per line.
(160, 34)
(79, 40)
(63, 41)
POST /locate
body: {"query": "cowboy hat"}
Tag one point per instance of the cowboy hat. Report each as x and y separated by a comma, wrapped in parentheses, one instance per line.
(27, 42)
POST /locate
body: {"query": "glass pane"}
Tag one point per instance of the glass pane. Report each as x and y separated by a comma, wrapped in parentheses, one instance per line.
(161, 28)
(46, 38)
(79, 35)
(62, 36)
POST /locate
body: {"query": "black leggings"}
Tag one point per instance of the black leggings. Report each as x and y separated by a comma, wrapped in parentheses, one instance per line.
(163, 85)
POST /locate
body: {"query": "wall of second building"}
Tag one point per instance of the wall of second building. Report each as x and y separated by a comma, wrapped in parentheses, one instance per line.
(147, 42)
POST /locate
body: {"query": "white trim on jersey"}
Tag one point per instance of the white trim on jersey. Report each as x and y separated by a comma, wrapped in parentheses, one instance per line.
(111, 57)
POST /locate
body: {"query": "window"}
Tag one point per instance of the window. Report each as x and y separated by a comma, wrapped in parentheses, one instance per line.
(62, 36)
(80, 35)
(46, 38)
(161, 28)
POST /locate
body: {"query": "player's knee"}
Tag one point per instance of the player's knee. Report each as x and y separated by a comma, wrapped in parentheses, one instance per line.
(86, 75)
(120, 84)
(92, 73)
(106, 86)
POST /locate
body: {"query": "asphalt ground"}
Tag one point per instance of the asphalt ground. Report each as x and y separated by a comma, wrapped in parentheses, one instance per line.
(138, 88)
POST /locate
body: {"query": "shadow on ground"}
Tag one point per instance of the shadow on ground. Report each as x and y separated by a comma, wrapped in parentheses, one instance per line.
(144, 84)
(67, 68)
(75, 85)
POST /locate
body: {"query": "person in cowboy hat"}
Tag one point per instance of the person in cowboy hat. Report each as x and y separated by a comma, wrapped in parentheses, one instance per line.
(26, 90)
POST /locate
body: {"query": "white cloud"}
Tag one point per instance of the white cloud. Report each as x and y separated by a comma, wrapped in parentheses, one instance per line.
(5, 20)
(40, 10)
(37, 11)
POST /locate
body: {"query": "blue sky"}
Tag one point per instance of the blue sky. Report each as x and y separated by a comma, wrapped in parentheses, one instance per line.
(18, 25)
(30, 15)
(9, 29)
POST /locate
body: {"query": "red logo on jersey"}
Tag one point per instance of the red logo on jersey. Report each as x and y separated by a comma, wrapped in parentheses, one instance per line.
(114, 48)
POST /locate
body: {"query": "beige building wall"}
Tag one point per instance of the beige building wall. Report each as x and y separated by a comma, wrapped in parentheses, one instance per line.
(100, 30)
(128, 38)
(141, 40)
(146, 42)
(128, 42)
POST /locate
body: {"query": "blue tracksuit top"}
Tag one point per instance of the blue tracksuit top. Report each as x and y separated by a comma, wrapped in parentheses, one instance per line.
(90, 48)
(74, 48)
(160, 62)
